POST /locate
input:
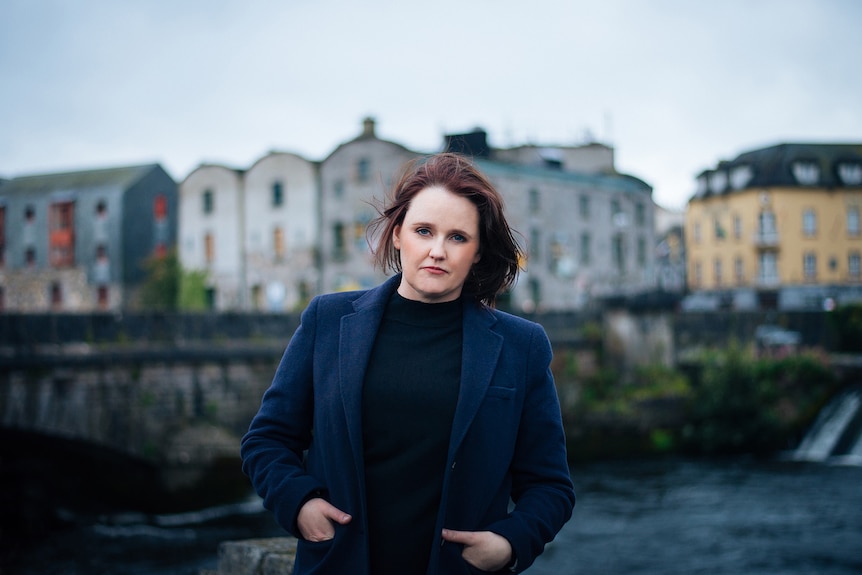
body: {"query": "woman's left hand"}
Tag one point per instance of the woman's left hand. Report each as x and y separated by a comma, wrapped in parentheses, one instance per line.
(482, 549)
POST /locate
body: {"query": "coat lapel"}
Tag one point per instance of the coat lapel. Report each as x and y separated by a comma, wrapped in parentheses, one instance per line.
(482, 348)
(357, 335)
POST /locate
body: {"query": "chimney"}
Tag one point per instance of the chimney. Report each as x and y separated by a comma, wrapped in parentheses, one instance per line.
(368, 127)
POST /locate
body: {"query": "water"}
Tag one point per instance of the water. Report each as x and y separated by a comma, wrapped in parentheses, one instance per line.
(733, 517)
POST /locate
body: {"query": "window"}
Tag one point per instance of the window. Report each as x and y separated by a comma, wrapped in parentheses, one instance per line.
(717, 271)
(209, 202)
(718, 182)
(585, 248)
(853, 265)
(278, 243)
(809, 222)
(160, 208)
(30, 257)
(768, 273)
(101, 209)
(535, 203)
(740, 176)
(535, 240)
(641, 251)
(56, 296)
(535, 292)
(806, 173)
(766, 232)
(853, 220)
(768, 268)
(101, 253)
(584, 206)
(61, 234)
(696, 232)
(617, 251)
(209, 248)
(809, 265)
(720, 234)
(363, 170)
(737, 227)
(615, 209)
(640, 214)
(338, 189)
(277, 194)
(29, 214)
(697, 276)
(738, 271)
(850, 173)
(339, 242)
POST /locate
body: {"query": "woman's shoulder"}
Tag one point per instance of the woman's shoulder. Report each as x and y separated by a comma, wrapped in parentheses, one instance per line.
(510, 321)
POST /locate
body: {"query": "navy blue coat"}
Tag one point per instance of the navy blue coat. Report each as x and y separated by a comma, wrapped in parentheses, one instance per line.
(507, 437)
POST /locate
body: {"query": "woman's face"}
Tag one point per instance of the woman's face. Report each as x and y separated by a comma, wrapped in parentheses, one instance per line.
(438, 243)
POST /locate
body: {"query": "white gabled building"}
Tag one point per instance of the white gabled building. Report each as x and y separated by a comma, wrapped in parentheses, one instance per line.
(254, 232)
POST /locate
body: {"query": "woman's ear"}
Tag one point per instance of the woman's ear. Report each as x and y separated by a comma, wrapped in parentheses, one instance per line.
(396, 237)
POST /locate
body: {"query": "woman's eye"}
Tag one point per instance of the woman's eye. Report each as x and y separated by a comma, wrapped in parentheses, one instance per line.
(459, 238)
(423, 231)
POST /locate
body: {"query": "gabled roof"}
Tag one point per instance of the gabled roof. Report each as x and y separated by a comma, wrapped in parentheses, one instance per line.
(122, 177)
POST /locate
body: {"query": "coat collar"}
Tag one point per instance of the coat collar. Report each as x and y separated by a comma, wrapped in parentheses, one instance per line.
(481, 349)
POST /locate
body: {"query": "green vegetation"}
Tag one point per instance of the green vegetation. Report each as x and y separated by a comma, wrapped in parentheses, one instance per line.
(846, 323)
(161, 287)
(168, 287)
(729, 401)
(743, 403)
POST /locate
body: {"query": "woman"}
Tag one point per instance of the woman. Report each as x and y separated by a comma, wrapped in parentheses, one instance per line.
(403, 420)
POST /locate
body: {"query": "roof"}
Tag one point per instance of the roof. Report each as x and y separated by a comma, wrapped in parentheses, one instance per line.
(122, 177)
(780, 165)
(615, 182)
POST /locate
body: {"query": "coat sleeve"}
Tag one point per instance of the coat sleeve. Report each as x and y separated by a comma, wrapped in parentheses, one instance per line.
(542, 488)
(272, 449)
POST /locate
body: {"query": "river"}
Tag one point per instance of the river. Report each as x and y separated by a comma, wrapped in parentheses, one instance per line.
(666, 517)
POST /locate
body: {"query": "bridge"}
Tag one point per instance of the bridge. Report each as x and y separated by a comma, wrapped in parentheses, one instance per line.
(133, 409)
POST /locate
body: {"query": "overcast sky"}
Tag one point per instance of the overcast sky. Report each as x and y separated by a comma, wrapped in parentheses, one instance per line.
(674, 85)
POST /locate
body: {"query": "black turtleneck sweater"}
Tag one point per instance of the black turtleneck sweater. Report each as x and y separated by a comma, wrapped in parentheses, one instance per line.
(408, 404)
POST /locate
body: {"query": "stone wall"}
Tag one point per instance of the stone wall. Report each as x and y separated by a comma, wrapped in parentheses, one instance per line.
(273, 556)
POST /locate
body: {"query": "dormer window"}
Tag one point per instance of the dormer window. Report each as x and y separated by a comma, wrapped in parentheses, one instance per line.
(740, 176)
(701, 186)
(718, 182)
(806, 173)
(850, 173)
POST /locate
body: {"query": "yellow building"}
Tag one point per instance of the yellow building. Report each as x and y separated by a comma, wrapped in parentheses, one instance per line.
(777, 227)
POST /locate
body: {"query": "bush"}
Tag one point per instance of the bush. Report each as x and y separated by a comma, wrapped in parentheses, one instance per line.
(846, 323)
(742, 404)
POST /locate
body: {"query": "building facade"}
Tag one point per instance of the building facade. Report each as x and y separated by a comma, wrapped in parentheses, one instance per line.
(288, 228)
(253, 232)
(78, 241)
(777, 227)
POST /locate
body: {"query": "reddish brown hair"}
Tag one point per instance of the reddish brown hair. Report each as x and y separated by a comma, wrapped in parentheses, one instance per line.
(497, 269)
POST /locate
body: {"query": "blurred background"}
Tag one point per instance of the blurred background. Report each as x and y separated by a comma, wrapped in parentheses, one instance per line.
(178, 179)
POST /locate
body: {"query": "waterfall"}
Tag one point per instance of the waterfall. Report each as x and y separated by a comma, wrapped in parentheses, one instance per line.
(837, 431)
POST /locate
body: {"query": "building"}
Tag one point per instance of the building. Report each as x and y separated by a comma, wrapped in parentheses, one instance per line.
(587, 230)
(254, 232)
(77, 241)
(777, 227)
(354, 180)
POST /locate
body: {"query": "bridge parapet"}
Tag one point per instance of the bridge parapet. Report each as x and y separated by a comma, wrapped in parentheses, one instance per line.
(181, 408)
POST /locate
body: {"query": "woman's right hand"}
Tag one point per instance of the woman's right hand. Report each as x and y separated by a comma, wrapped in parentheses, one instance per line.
(316, 517)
